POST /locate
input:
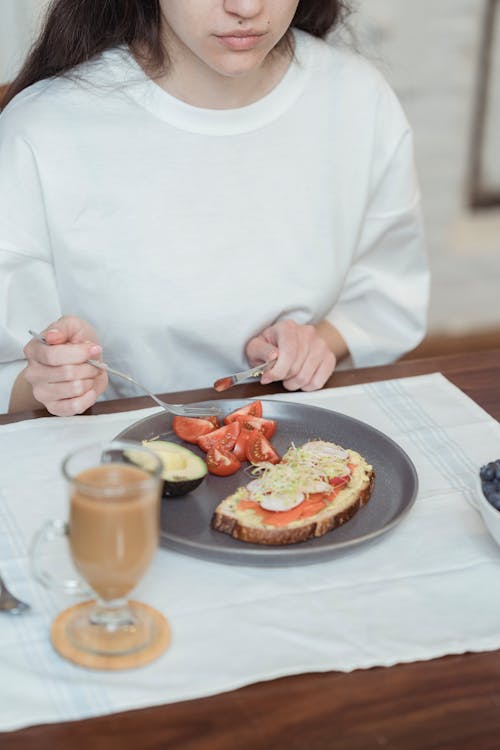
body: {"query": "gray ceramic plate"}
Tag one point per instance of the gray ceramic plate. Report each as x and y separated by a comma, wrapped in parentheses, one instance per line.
(185, 521)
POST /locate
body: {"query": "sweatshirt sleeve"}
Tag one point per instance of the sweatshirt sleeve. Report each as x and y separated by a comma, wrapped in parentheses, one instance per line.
(28, 292)
(382, 309)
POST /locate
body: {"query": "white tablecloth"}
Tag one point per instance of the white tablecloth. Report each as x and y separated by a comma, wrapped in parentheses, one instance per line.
(425, 589)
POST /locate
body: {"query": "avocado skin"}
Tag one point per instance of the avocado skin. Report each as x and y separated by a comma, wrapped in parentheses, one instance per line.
(184, 485)
(180, 487)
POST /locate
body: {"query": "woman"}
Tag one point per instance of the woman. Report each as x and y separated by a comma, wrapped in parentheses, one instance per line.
(188, 186)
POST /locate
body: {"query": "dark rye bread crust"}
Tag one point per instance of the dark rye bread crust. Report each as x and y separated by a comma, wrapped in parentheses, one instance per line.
(324, 522)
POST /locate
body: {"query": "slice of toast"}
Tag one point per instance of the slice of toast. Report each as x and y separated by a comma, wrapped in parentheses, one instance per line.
(249, 525)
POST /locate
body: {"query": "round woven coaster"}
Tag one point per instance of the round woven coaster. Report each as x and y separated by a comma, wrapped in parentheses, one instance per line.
(153, 650)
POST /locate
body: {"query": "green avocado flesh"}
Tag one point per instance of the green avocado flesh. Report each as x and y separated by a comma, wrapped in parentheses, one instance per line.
(182, 471)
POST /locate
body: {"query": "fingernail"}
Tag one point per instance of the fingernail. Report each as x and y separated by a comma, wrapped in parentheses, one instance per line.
(53, 330)
(94, 350)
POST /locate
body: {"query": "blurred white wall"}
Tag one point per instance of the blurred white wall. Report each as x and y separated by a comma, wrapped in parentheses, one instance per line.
(18, 23)
(429, 51)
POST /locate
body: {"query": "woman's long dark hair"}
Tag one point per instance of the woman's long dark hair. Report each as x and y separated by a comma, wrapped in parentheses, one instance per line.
(75, 31)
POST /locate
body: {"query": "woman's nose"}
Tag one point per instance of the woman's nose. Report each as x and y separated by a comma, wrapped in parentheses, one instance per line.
(244, 8)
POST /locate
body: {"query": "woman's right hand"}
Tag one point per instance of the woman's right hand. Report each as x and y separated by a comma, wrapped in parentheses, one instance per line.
(60, 378)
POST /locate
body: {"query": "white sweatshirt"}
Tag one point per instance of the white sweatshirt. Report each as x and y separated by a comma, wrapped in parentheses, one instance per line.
(180, 232)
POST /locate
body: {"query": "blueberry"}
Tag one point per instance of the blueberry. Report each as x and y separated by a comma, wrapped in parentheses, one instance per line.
(496, 485)
(497, 469)
(488, 489)
(487, 472)
(494, 499)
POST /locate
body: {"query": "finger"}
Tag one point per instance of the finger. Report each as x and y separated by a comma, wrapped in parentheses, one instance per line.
(317, 354)
(61, 354)
(101, 383)
(48, 393)
(55, 336)
(260, 350)
(321, 374)
(282, 367)
(297, 381)
(39, 373)
(69, 328)
(69, 407)
(51, 394)
(291, 352)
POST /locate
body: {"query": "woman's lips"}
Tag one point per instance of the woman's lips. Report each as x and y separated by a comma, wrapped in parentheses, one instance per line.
(240, 41)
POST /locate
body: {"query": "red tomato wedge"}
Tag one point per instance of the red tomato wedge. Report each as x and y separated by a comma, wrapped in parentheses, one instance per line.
(251, 410)
(267, 426)
(240, 445)
(259, 449)
(191, 428)
(221, 462)
(212, 418)
(224, 437)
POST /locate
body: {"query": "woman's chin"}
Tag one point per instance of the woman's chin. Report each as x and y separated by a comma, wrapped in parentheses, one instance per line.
(237, 65)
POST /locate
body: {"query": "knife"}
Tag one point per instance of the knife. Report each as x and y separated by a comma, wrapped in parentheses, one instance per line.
(238, 377)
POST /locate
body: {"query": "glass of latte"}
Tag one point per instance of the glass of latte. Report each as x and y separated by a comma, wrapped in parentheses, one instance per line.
(113, 534)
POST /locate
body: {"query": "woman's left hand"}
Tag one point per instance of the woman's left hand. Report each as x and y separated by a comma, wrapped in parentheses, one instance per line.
(304, 360)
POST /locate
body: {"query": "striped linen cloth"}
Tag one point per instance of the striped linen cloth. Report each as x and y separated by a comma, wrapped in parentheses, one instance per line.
(424, 590)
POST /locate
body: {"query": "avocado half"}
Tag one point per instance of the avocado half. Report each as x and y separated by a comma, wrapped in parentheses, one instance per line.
(182, 471)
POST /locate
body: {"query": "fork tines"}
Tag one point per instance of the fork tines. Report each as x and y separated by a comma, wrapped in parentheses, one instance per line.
(197, 411)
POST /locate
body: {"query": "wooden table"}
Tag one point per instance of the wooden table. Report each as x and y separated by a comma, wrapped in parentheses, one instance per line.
(452, 703)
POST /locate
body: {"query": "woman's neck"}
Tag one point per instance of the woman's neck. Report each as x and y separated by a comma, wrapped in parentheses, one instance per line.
(217, 92)
(192, 81)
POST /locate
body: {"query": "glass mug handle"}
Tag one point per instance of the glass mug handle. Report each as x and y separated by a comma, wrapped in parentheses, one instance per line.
(50, 532)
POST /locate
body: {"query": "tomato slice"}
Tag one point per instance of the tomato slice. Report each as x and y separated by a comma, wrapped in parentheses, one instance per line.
(276, 518)
(191, 428)
(221, 462)
(267, 426)
(225, 437)
(239, 449)
(259, 449)
(254, 409)
(212, 418)
(340, 481)
(313, 504)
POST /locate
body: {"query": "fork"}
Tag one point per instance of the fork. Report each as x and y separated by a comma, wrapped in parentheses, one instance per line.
(9, 603)
(181, 410)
